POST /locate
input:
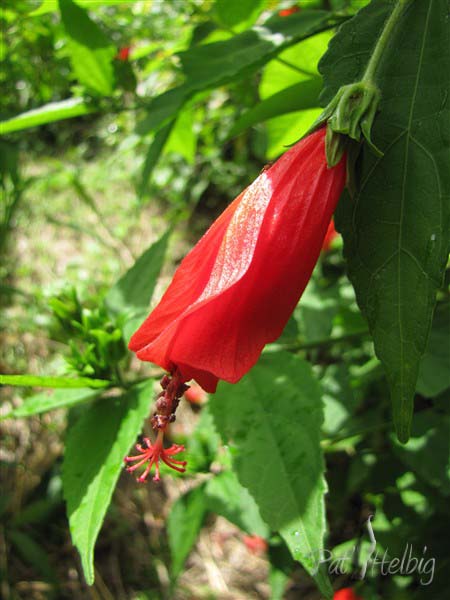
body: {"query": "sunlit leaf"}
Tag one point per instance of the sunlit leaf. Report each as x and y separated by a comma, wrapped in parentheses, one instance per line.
(52, 382)
(300, 96)
(272, 421)
(55, 111)
(135, 288)
(211, 65)
(60, 399)
(91, 51)
(225, 496)
(232, 13)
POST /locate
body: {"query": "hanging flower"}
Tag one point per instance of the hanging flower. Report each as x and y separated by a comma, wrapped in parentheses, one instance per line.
(236, 289)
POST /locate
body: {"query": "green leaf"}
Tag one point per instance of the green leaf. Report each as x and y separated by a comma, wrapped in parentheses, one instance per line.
(164, 108)
(153, 153)
(52, 5)
(295, 65)
(285, 130)
(221, 62)
(134, 289)
(395, 228)
(211, 65)
(91, 51)
(427, 452)
(237, 12)
(183, 526)
(40, 403)
(202, 444)
(434, 373)
(273, 417)
(226, 497)
(281, 565)
(52, 382)
(300, 96)
(183, 137)
(339, 399)
(55, 111)
(93, 460)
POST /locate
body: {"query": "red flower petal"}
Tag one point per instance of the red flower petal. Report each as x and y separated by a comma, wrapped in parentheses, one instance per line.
(235, 291)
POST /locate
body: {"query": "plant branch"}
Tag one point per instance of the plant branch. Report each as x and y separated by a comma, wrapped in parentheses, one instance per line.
(383, 40)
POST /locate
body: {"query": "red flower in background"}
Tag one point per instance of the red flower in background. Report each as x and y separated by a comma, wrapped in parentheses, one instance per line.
(346, 594)
(285, 12)
(124, 53)
(195, 394)
(234, 292)
(255, 544)
(330, 236)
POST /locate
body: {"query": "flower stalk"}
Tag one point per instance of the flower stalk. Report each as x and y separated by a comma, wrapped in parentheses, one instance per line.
(351, 112)
(150, 454)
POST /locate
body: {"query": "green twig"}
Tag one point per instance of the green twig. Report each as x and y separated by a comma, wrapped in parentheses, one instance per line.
(383, 40)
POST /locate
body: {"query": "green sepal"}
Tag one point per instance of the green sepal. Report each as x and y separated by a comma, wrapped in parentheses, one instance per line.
(349, 115)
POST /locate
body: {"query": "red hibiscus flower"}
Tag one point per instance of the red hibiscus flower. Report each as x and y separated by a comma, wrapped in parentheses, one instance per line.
(234, 292)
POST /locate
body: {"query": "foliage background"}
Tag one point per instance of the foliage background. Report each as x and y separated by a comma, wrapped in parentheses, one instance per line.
(83, 198)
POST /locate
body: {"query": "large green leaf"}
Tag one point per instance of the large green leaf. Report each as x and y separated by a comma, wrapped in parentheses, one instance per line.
(211, 65)
(226, 497)
(395, 227)
(183, 526)
(55, 111)
(93, 460)
(134, 289)
(40, 403)
(154, 150)
(52, 382)
(272, 420)
(91, 51)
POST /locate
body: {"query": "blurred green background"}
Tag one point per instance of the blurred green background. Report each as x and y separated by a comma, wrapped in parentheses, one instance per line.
(82, 199)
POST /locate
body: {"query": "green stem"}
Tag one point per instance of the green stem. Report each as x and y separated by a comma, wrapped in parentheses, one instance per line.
(375, 59)
(324, 343)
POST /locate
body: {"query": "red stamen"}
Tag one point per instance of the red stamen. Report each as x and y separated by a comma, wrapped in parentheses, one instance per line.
(153, 453)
